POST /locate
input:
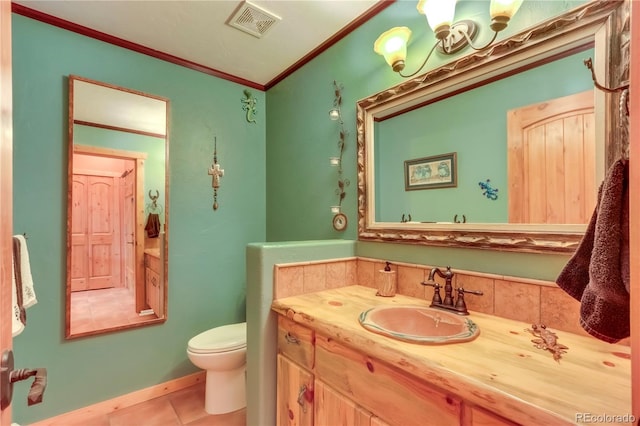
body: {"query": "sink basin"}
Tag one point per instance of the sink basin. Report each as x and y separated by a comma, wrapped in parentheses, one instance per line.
(419, 324)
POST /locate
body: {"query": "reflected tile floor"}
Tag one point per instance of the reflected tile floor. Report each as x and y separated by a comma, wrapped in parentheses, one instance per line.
(181, 408)
(105, 308)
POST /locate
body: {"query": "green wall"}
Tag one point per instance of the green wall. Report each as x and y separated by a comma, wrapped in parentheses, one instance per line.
(207, 248)
(301, 184)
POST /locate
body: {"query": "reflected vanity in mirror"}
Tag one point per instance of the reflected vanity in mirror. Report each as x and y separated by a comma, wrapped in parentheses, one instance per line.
(117, 219)
(522, 118)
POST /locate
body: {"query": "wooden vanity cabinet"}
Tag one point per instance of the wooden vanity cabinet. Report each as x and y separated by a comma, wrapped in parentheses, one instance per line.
(152, 283)
(322, 382)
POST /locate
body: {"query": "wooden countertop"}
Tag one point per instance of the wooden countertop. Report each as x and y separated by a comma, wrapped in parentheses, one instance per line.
(500, 370)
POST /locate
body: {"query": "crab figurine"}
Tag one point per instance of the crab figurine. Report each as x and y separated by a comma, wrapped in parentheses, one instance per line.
(547, 340)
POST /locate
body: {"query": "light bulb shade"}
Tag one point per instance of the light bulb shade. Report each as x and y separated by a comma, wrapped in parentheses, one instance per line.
(439, 14)
(392, 44)
(506, 8)
(502, 11)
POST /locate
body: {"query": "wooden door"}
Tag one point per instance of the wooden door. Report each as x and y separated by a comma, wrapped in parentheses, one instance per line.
(333, 409)
(6, 187)
(294, 404)
(552, 160)
(128, 229)
(94, 223)
(79, 258)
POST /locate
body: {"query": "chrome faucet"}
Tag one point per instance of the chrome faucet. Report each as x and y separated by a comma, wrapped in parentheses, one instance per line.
(459, 307)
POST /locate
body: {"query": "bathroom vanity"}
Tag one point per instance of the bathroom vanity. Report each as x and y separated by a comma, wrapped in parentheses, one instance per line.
(333, 371)
(152, 274)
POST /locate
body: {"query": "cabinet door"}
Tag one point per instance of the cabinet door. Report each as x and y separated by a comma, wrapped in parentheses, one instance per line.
(400, 399)
(153, 290)
(295, 395)
(333, 409)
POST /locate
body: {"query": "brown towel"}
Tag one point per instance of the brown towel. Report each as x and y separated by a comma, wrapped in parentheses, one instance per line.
(153, 225)
(598, 273)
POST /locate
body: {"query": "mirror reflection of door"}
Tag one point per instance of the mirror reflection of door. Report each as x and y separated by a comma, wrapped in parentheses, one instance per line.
(117, 271)
(551, 161)
(103, 256)
(95, 248)
(128, 221)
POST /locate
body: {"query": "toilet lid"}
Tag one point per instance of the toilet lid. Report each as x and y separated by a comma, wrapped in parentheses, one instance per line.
(220, 339)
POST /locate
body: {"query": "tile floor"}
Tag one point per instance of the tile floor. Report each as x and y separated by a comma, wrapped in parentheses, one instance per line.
(181, 408)
(105, 308)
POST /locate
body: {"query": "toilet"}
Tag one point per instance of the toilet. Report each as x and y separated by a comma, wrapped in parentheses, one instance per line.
(222, 352)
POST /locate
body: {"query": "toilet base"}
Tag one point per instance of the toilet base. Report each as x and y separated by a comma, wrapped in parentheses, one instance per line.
(225, 391)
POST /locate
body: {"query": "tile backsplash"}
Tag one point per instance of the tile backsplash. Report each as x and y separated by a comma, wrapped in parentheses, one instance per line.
(523, 299)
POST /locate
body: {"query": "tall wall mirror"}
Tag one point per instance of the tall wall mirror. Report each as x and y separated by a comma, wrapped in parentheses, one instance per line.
(117, 218)
(500, 149)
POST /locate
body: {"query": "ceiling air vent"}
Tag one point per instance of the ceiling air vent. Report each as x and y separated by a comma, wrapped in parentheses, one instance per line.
(252, 19)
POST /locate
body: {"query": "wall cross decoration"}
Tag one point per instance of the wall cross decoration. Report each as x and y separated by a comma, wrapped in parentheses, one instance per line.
(216, 173)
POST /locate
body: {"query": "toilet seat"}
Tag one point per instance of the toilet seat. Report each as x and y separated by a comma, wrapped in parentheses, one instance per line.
(225, 338)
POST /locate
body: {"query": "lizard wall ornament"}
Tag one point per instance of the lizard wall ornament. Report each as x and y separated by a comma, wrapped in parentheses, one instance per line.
(249, 105)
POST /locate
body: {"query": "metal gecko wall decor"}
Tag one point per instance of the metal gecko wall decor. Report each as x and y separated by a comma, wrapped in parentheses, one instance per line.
(488, 191)
(249, 105)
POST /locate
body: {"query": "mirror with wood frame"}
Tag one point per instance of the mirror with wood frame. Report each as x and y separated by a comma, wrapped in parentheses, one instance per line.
(117, 218)
(427, 145)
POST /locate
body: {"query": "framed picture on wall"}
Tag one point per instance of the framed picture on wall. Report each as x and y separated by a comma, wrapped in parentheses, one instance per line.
(437, 171)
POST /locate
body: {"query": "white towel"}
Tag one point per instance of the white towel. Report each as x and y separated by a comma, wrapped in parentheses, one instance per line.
(28, 292)
(16, 324)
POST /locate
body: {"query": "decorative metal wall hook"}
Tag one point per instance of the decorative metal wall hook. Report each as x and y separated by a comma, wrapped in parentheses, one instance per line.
(623, 107)
(589, 64)
(216, 173)
(622, 89)
(336, 114)
(153, 206)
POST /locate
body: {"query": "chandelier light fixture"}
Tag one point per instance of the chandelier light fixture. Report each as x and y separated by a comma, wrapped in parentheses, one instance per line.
(450, 36)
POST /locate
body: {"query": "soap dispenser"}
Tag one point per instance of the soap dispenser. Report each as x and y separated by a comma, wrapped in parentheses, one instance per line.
(386, 282)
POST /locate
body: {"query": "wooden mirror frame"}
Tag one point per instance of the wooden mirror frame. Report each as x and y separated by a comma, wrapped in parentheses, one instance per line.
(139, 246)
(598, 24)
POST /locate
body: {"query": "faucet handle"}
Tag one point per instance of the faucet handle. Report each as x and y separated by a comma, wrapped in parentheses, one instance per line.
(433, 284)
(476, 292)
(460, 303)
(436, 291)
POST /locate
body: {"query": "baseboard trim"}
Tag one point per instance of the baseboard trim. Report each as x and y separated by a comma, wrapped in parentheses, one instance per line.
(123, 401)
